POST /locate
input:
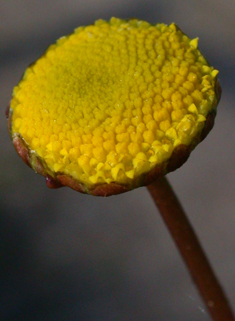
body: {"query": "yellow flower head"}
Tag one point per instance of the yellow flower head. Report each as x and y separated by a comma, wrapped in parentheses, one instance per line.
(113, 101)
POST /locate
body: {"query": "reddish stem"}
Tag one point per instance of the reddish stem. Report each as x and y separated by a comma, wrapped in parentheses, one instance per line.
(190, 249)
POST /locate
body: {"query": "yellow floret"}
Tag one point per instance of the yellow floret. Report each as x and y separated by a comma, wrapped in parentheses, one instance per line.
(112, 100)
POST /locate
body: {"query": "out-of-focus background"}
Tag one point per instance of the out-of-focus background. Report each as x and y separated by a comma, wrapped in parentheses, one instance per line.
(68, 256)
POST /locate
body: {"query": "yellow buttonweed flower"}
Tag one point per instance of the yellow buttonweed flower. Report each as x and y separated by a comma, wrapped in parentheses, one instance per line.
(110, 103)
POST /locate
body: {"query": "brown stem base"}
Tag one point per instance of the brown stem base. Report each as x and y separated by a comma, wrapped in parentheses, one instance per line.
(190, 249)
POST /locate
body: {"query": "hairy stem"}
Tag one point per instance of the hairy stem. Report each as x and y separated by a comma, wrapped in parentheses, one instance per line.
(190, 249)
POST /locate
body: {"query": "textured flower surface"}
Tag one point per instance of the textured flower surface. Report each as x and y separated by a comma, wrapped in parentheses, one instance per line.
(113, 106)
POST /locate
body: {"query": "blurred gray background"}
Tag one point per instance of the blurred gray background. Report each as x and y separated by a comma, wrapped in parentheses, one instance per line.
(68, 256)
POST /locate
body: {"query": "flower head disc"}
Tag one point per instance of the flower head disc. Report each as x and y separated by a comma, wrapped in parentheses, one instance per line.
(113, 106)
